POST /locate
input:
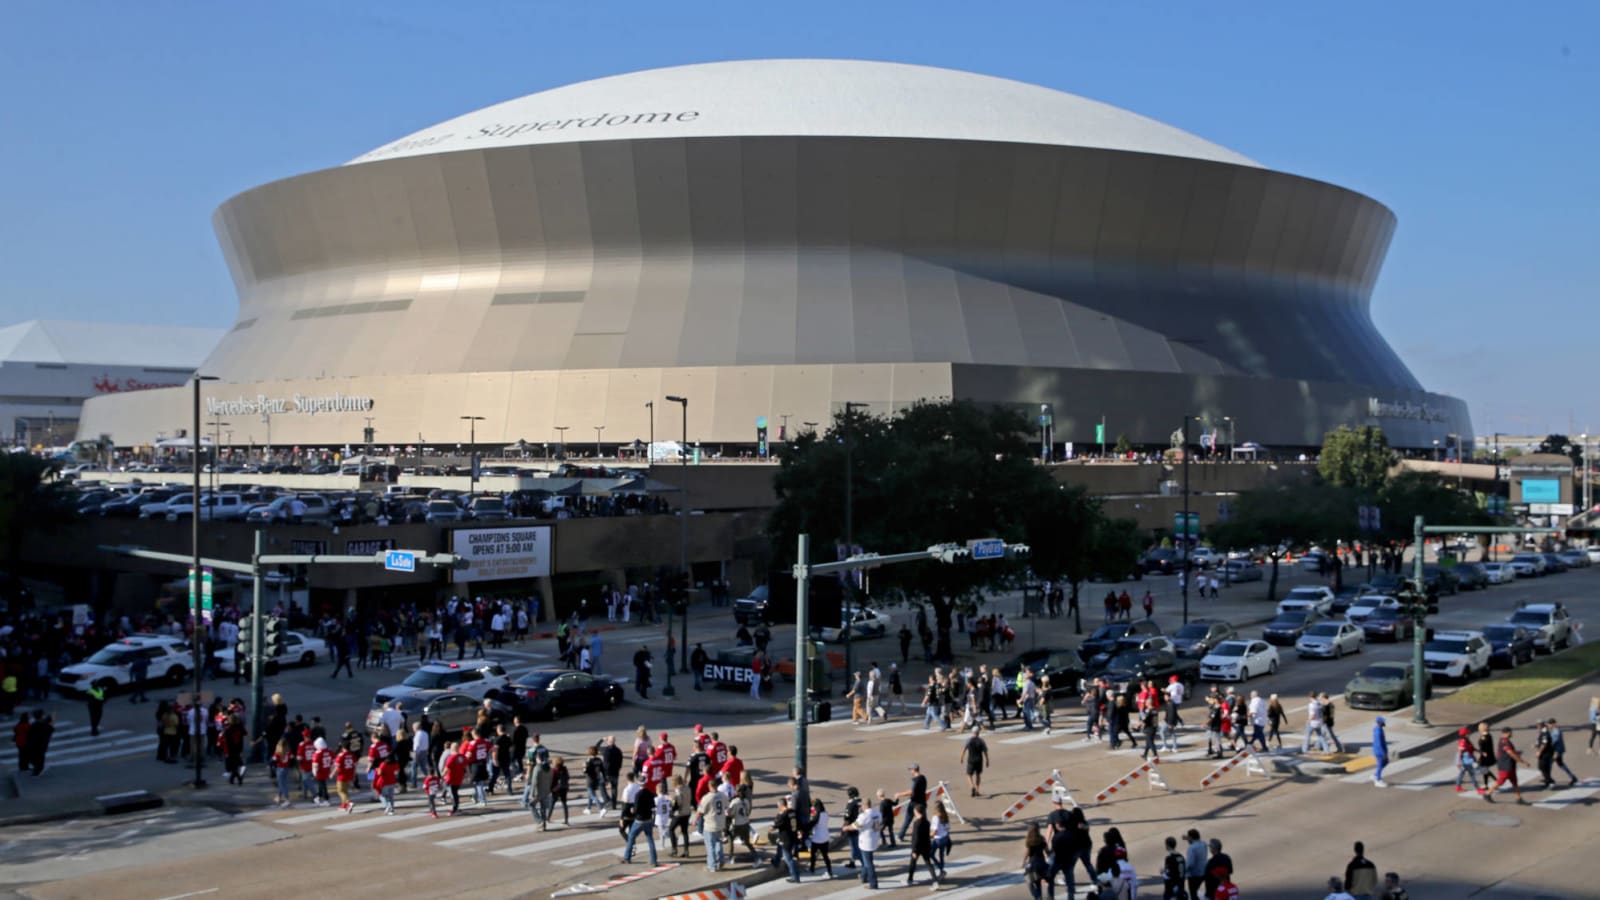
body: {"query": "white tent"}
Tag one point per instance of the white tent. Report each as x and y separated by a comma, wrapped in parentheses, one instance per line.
(181, 443)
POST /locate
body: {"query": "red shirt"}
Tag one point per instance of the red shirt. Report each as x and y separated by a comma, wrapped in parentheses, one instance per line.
(307, 751)
(1227, 890)
(345, 765)
(281, 760)
(654, 774)
(481, 748)
(702, 741)
(719, 756)
(707, 782)
(322, 765)
(734, 769)
(668, 755)
(455, 769)
(378, 752)
(388, 773)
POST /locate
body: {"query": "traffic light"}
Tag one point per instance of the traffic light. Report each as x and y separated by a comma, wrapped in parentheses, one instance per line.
(246, 625)
(1018, 551)
(272, 637)
(950, 554)
(678, 592)
(1416, 601)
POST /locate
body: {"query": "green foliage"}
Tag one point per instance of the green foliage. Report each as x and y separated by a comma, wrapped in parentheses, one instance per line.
(1425, 494)
(1562, 445)
(31, 500)
(934, 472)
(1124, 446)
(1357, 458)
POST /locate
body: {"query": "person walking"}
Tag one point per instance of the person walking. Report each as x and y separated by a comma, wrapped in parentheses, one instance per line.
(644, 805)
(1486, 756)
(868, 830)
(1380, 752)
(1327, 724)
(857, 695)
(1194, 862)
(1277, 718)
(560, 785)
(1558, 747)
(1506, 761)
(341, 656)
(1313, 726)
(1036, 862)
(921, 845)
(939, 824)
(1360, 875)
(818, 838)
(344, 775)
(1466, 761)
(283, 760)
(95, 696)
(1544, 754)
(785, 839)
(916, 795)
(1336, 890)
(37, 742)
(1174, 867)
(713, 812)
(975, 754)
(1218, 870)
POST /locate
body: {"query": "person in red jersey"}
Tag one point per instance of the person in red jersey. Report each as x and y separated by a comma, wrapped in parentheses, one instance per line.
(454, 765)
(321, 769)
(344, 775)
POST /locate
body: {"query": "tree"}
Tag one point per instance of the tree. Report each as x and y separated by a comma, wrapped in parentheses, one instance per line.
(31, 501)
(934, 472)
(1425, 494)
(1276, 519)
(1124, 446)
(1562, 445)
(1358, 458)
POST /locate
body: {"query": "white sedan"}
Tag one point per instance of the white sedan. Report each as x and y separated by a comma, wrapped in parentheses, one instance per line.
(1331, 640)
(1499, 573)
(1367, 604)
(298, 650)
(1239, 661)
(864, 623)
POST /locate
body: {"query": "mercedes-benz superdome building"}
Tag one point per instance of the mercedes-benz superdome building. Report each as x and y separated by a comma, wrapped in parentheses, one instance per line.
(772, 239)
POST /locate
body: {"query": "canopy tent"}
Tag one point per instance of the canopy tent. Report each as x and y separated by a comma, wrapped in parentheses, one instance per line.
(181, 443)
(639, 484)
(1250, 449)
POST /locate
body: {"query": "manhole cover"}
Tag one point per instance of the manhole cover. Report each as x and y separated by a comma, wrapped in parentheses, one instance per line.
(1485, 817)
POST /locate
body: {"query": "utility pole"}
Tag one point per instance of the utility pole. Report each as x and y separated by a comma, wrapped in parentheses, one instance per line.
(650, 451)
(1184, 567)
(472, 452)
(597, 430)
(683, 538)
(847, 612)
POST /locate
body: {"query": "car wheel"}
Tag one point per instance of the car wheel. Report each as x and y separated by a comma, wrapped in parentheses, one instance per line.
(1338, 652)
(1513, 663)
(1272, 668)
(554, 711)
(612, 700)
(271, 668)
(1244, 675)
(308, 659)
(177, 675)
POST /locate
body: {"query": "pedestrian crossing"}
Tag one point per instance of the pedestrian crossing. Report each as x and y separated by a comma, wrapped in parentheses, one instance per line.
(74, 746)
(891, 866)
(1417, 776)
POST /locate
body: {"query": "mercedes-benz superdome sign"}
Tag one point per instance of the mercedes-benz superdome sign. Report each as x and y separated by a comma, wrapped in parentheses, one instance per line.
(501, 554)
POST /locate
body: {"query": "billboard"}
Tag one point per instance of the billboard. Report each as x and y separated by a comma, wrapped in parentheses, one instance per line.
(500, 554)
(1541, 490)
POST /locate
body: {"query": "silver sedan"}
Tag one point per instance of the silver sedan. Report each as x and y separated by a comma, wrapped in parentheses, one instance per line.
(1330, 640)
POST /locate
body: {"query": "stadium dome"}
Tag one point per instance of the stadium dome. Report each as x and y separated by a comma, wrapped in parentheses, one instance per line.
(806, 98)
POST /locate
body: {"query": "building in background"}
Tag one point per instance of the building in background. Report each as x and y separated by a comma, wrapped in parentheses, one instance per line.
(48, 369)
(768, 240)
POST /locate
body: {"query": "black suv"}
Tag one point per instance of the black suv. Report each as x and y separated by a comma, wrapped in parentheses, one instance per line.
(1106, 636)
(1164, 561)
(1063, 667)
(1196, 639)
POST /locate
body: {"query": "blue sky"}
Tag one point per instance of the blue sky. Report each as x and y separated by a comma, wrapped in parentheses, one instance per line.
(126, 124)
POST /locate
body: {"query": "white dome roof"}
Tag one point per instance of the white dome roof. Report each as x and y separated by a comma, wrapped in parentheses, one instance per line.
(805, 97)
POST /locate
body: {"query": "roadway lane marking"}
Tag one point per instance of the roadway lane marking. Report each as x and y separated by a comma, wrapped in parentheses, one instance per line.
(144, 745)
(1399, 765)
(571, 841)
(955, 868)
(371, 820)
(447, 824)
(192, 894)
(1571, 795)
(497, 834)
(1444, 776)
(1031, 738)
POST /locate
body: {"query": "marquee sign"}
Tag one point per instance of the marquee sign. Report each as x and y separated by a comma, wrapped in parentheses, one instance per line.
(296, 404)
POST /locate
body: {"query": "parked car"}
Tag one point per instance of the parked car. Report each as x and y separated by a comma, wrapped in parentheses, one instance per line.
(1161, 561)
(213, 508)
(1342, 598)
(455, 711)
(1574, 559)
(1287, 627)
(1593, 552)
(1470, 576)
(1196, 639)
(1318, 599)
(1330, 640)
(1510, 645)
(1498, 572)
(1063, 667)
(1130, 644)
(1205, 558)
(1153, 664)
(1239, 660)
(1108, 634)
(443, 511)
(1457, 655)
(1388, 624)
(1528, 565)
(475, 678)
(553, 693)
(1549, 622)
(864, 623)
(1384, 584)
(1235, 571)
(311, 507)
(1316, 561)
(1554, 563)
(487, 509)
(111, 665)
(128, 506)
(1439, 581)
(752, 608)
(299, 649)
(1385, 686)
(1364, 606)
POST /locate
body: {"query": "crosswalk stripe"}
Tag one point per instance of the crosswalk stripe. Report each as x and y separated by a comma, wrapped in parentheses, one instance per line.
(368, 821)
(1009, 882)
(494, 835)
(451, 824)
(81, 755)
(1030, 738)
(1400, 765)
(76, 737)
(572, 840)
(1571, 795)
(1444, 776)
(955, 867)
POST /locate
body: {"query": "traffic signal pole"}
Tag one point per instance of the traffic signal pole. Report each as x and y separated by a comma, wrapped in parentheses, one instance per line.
(1419, 637)
(804, 571)
(258, 719)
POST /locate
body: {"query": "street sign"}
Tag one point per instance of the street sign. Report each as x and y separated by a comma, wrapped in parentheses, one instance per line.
(1189, 528)
(400, 561)
(206, 581)
(987, 548)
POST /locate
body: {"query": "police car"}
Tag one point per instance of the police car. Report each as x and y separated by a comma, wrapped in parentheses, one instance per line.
(110, 667)
(298, 650)
(473, 677)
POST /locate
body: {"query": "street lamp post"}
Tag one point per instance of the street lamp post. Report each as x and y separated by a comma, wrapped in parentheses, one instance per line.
(472, 451)
(1184, 566)
(683, 538)
(196, 584)
(1584, 456)
(1435, 449)
(216, 443)
(1231, 424)
(597, 430)
(650, 450)
(561, 439)
(849, 522)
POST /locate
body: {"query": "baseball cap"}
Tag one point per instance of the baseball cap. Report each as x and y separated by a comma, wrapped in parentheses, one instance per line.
(1464, 732)
(1122, 853)
(1379, 720)
(914, 768)
(663, 735)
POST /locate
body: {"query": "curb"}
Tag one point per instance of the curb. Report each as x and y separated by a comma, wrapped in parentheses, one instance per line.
(1514, 709)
